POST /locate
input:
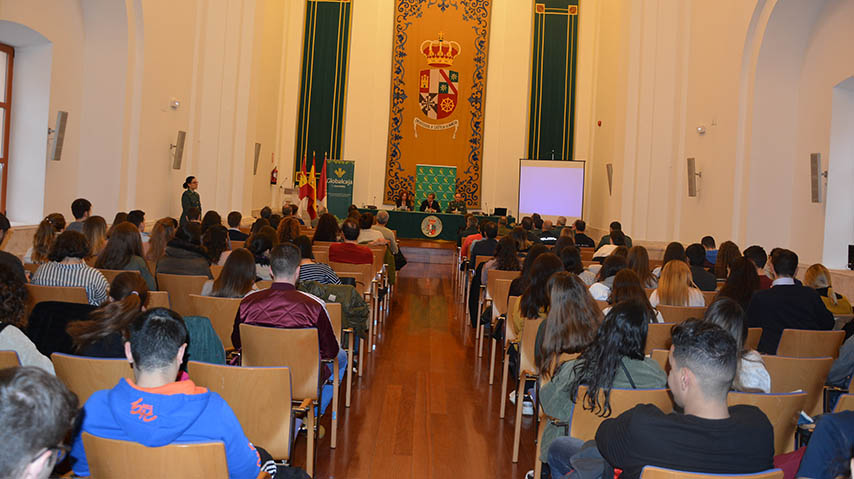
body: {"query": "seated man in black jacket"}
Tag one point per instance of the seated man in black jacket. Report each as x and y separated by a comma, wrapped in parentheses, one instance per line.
(709, 437)
(786, 305)
(696, 257)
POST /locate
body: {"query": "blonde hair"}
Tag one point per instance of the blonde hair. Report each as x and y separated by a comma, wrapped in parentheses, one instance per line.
(818, 276)
(95, 229)
(674, 286)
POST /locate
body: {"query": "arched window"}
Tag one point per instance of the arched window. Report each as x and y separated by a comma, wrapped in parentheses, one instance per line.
(7, 56)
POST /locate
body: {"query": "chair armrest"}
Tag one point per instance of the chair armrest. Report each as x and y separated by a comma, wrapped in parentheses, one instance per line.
(304, 406)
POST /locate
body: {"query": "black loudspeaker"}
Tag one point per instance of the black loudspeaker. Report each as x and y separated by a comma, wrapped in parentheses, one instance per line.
(56, 149)
(179, 149)
(257, 157)
(851, 256)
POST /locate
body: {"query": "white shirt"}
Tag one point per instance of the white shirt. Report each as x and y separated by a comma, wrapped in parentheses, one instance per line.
(605, 251)
(599, 291)
(367, 236)
(695, 298)
(783, 281)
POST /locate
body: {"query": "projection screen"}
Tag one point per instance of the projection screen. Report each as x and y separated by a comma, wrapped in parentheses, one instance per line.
(551, 188)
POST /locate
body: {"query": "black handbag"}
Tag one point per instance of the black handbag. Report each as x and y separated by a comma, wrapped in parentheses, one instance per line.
(399, 260)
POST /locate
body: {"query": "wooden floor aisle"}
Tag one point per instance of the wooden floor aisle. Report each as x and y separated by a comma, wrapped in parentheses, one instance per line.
(424, 408)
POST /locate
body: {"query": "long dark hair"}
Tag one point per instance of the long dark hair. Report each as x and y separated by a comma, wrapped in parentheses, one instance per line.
(327, 228)
(727, 252)
(525, 276)
(215, 241)
(571, 258)
(572, 322)
(260, 243)
(612, 265)
(623, 333)
(638, 261)
(674, 250)
(237, 276)
(211, 218)
(124, 244)
(536, 295)
(742, 282)
(129, 293)
(627, 286)
(561, 243)
(505, 255)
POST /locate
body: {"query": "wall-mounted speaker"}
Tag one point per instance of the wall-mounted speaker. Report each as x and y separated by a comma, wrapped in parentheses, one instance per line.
(609, 168)
(56, 148)
(257, 157)
(692, 177)
(851, 256)
(815, 177)
(179, 150)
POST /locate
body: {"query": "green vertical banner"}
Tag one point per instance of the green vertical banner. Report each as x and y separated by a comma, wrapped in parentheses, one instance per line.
(440, 180)
(551, 117)
(323, 83)
(339, 186)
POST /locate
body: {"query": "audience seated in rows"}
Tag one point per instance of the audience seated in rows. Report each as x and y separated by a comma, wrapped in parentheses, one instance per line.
(704, 280)
(260, 244)
(709, 437)
(367, 234)
(310, 270)
(786, 305)
(283, 306)
(67, 267)
(154, 409)
(43, 239)
(234, 233)
(756, 255)
(741, 283)
(95, 231)
(36, 413)
(523, 243)
(13, 322)
(81, 208)
(382, 221)
(549, 235)
(818, 278)
(124, 252)
(601, 288)
(211, 218)
(8, 259)
(327, 229)
(638, 261)
(627, 287)
(103, 333)
(184, 253)
(614, 227)
(726, 254)
(614, 360)
(161, 234)
(674, 250)
(675, 287)
(349, 251)
(751, 375)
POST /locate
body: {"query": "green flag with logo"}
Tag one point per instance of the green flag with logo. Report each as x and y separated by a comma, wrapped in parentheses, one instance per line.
(339, 186)
(440, 180)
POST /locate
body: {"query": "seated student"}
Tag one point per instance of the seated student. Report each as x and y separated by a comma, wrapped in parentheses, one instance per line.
(161, 234)
(528, 225)
(266, 211)
(704, 280)
(349, 251)
(786, 305)
(309, 270)
(194, 215)
(709, 437)
(154, 409)
(95, 231)
(751, 375)
(829, 453)
(627, 287)
(505, 259)
(726, 254)
(615, 359)
(470, 229)
(487, 245)
(237, 278)
(81, 208)
(615, 226)
(534, 302)
(520, 284)
(601, 289)
(741, 283)
(638, 261)
(674, 250)
(430, 205)
(818, 278)
(68, 268)
(391, 239)
(43, 239)
(675, 287)
(708, 244)
(36, 413)
(617, 239)
(523, 243)
(13, 321)
(756, 254)
(211, 218)
(216, 245)
(367, 234)
(581, 239)
(184, 253)
(234, 232)
(571, 258)
(260, 244)
(8, 259)
(120, 218)
(137, 218)
(287, 230)
(124, 252)
(102, 334)
(327, 229)
(548, 236)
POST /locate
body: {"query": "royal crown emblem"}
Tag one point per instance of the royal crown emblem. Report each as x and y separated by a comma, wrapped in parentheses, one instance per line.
(439, 53)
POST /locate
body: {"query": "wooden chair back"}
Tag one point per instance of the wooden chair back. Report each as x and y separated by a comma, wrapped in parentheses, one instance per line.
(792, 374)
(295, 349)
(321, 254)
(9, 359)
(494, 275)
(709, 296)
(131, 460)
(362, 273)
(662, 357)
(481, 259)
(586, 253)
(66, 294)
(500, 295)
(221, 312)
(31, 267)
(84, 375)
(781, 409)
(260, 398)
(158, 299)
(753, 337)
(379, 257)
(844, 403)
(653, 472)
(110, 274)
(679, 314)
(216, 270)
(527, 342)
(336, 318)
(803, 343)
(180, 287)
(658, 337)
(584, 423)
(602, 304)
(237, 244)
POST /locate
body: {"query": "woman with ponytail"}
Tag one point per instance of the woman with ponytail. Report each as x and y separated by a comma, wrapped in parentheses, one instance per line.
(51, 226)
(103, 334)
(190, 198)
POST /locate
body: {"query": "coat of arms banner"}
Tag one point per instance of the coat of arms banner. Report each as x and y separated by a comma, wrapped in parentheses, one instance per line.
(437, 94)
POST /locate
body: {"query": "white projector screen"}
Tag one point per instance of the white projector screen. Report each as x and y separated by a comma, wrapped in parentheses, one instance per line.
(551, 188)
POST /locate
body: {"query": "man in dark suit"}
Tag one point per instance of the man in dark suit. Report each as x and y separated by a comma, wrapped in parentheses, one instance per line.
(786, 305)
(430, 205)
(234, 232)
(696, 257)
(486, 246)
(581, 239)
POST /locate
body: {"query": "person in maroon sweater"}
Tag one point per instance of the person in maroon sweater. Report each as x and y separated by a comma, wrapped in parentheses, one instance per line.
(349, 251)
(283, 306)
(756, 254)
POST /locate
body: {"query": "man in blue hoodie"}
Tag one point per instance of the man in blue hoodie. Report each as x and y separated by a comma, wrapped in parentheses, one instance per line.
(154, 409)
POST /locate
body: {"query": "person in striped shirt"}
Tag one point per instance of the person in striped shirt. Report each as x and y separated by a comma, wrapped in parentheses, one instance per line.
(308, 269)
(66, 267)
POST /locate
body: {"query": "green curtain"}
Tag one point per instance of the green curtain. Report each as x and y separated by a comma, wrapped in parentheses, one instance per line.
(323, 83)
(554, 48)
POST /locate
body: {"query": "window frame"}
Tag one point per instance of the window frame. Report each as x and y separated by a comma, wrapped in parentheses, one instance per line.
(7, 123)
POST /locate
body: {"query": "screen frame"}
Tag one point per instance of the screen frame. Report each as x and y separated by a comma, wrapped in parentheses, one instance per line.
(583, 182)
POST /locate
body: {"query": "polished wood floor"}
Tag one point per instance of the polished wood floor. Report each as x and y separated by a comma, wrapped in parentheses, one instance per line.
(424, 408)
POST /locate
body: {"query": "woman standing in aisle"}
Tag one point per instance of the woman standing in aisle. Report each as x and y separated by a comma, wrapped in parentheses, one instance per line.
(190, 198)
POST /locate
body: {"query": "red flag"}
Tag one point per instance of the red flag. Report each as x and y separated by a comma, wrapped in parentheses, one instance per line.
(304, 187)
(312, 190)
(321, 184)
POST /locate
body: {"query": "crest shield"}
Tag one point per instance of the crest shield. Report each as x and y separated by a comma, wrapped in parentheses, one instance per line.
(438, 92)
